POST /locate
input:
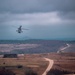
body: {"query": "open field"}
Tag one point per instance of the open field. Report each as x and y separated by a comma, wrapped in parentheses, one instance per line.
(63, 62)
(34, 62)
(30, 46)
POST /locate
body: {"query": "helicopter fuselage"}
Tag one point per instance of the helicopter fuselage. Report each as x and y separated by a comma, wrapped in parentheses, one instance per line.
(19, 30)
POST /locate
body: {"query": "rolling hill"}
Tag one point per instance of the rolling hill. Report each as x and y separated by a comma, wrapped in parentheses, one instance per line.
(34, 46)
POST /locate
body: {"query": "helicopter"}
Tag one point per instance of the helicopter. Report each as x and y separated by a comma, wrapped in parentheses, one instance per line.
(19, 30)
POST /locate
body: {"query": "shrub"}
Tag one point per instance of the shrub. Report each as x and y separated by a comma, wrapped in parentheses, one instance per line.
(6, 72)
(30, 72)
(58, 72)
(19, 66)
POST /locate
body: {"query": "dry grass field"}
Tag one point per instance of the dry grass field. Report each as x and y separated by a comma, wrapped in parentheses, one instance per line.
(64, 62)
(19, 65)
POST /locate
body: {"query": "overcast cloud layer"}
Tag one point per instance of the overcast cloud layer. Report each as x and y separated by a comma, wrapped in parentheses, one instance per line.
(65, 8)
(28, 6)
(37, 12)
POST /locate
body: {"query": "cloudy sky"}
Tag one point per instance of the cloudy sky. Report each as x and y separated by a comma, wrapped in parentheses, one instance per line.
(45, 19)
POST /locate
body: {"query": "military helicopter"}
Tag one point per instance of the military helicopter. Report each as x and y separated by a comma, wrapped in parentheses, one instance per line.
(19, 30)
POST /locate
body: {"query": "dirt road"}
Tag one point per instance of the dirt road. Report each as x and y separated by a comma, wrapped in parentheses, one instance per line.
(62, 49)
(51, 62)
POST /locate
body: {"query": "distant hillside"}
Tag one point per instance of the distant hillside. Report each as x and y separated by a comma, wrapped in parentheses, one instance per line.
(31, 46)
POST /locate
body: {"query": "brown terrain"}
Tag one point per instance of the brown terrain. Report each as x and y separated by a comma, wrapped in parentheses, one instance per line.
(34, 62)
(60, 63)
(63, 62)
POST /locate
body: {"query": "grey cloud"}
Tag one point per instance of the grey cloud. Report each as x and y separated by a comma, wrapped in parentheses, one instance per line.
(66, 8)
(67, 15)
(27, 6)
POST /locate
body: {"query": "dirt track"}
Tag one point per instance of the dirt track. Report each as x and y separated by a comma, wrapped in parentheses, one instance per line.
(51, 62)
(62, 49)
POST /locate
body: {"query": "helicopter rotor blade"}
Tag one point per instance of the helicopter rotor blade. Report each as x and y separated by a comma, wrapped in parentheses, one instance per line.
(14, 26)
(24, 29)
